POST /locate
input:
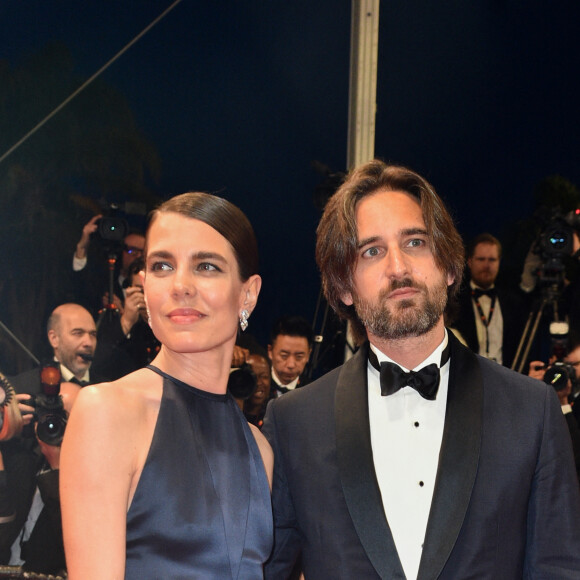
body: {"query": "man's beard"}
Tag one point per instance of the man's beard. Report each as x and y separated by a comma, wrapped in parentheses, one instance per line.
(410, 317)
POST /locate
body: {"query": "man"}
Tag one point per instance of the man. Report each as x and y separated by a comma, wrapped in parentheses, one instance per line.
(125, 341)
(255, 406)
(90, 282)
(73, 336)
(289, 350)
(490, 319)
(31, 533)
(470, 475)
(573, 359)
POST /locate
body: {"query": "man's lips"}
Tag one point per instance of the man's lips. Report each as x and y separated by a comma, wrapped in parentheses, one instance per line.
(406, 292)
(185, 315)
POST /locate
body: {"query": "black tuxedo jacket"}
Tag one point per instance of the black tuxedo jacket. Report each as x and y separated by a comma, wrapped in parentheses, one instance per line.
(506, 502)
(513, 311)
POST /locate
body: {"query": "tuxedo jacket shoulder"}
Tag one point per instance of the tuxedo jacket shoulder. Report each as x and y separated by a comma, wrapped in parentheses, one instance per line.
(505, 483)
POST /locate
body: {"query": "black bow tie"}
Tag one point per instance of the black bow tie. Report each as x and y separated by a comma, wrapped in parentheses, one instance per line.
(79, 382)
(393, 378)
(282, 390)
(479, 292)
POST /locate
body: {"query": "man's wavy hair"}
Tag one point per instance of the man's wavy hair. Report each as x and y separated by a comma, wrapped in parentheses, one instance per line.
(337, 242)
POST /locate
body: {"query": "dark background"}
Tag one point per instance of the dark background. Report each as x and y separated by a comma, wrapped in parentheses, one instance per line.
(238, 98)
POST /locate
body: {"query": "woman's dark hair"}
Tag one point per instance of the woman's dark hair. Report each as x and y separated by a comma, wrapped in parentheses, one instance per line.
(224, 217)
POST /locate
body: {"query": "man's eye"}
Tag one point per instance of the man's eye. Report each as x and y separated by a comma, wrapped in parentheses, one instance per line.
(371, 252)
(416, 243)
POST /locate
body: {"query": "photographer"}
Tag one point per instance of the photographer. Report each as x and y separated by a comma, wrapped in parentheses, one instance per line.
(562, 376)
(30, 527)
(553, 259)
(30, 531)
(125, 342)
(91, 274)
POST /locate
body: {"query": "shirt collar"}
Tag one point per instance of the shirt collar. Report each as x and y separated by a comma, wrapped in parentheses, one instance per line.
(67, 374)
(434, 357)
(290, 386)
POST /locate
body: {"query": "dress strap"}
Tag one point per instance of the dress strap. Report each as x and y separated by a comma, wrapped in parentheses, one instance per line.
(158, 371)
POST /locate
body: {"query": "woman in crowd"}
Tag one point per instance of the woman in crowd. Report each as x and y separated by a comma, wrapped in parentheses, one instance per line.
(161, 476)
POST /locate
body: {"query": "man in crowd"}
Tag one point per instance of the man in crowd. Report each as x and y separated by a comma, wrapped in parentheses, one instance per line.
(125, 339)
(92, 280)
(289, 351)
(30, 528)
(490, 319)
(417, 458)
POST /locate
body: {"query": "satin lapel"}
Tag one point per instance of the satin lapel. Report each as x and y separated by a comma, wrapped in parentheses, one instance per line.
(356, 467)
(458, 460)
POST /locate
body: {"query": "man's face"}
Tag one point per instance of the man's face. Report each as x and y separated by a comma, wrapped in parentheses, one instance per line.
(484, 264)
(261, 369)
(398, 290)
(75, 334)
(133, 249)
(573, 359)
(289, 355)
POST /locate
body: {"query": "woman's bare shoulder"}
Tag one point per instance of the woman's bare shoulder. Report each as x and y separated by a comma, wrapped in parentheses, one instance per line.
(128, 397)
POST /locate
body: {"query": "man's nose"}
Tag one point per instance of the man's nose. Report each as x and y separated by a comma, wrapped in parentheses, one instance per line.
(396, 263)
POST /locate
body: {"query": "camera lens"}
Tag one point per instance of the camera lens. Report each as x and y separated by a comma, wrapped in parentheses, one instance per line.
(558, 240)
(557, 376)
(113, 229)
(51, 428)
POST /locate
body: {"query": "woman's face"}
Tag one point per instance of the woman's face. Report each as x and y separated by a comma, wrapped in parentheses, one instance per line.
(192, 285)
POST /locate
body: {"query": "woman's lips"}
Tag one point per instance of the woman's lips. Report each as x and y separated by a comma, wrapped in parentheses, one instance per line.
(185, 315)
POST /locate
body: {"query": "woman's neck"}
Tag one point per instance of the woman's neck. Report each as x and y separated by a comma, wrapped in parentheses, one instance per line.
(208, 371)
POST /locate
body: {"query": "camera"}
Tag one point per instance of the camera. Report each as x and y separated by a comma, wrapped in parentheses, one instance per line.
(557, 239)
(558, 375)
(50, 414)
(113, 226)
(555, 244)
(242, 382)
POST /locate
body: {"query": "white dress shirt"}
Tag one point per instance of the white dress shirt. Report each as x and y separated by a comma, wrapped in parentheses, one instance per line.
(493, 332)
(406, 433)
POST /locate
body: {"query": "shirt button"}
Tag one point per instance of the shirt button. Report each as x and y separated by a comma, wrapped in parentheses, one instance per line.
(421, 484)
(416, 423)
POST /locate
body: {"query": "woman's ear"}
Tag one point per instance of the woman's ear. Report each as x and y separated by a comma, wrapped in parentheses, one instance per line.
(250, 293)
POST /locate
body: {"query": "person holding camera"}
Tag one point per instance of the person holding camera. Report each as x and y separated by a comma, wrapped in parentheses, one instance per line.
(91, 279)
(561, 374)
(30, 519)
(125, 341)
(162, 476)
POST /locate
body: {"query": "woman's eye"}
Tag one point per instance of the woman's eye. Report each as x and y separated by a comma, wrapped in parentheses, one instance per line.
(160, 267)
(208, 267)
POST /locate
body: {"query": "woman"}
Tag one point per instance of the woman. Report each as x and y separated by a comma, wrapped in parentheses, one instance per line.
(161, 476)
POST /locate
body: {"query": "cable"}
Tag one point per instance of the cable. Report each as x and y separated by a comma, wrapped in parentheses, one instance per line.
(89, 81)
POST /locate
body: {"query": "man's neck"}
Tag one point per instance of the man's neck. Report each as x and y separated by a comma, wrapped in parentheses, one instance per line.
(281, 383)
(482, 286)
(411, 351)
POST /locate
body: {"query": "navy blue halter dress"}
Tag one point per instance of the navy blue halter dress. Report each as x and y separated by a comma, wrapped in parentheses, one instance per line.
(202, 505)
